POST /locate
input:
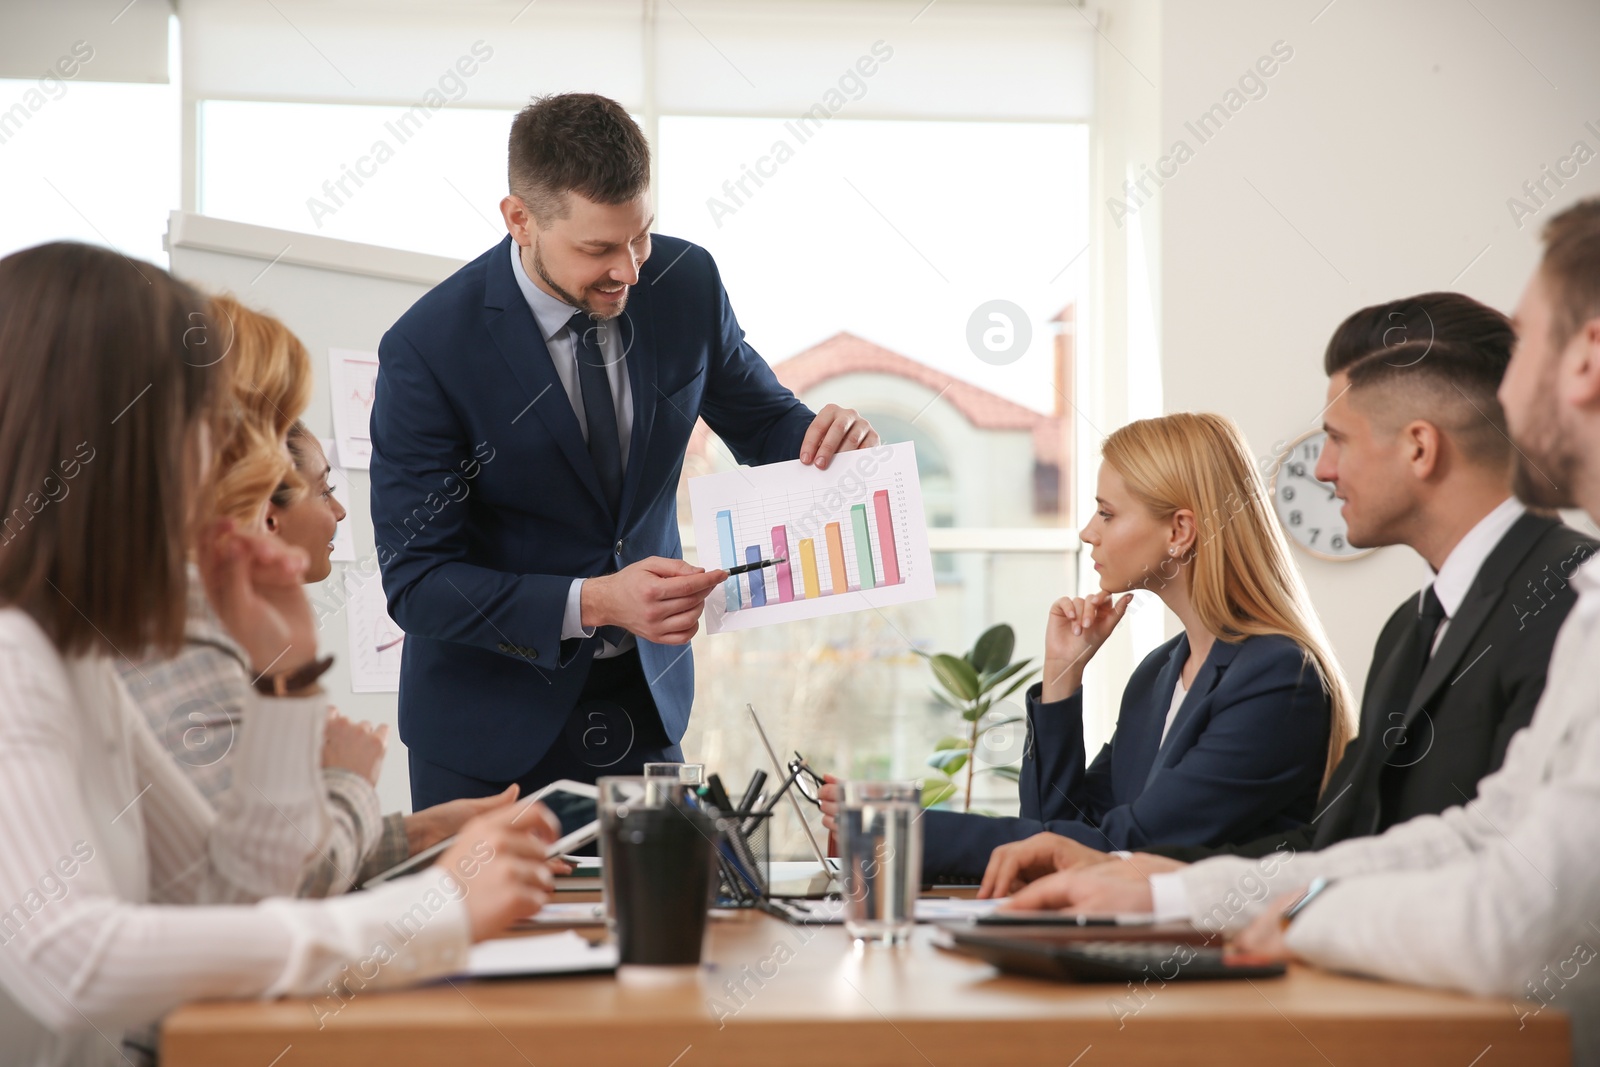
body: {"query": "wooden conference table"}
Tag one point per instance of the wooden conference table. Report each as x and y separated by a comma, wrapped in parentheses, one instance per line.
(810, 998)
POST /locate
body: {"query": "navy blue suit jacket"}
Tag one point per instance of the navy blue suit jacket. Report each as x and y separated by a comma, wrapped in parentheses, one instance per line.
(486, 505)
(1245, 756)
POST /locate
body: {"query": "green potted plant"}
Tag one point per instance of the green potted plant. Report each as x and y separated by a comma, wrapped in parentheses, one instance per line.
(972, 684)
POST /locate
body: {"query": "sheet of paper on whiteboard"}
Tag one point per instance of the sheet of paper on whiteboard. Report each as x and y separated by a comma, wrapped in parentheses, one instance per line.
(855, 537)
(375, 640)
(352, 379)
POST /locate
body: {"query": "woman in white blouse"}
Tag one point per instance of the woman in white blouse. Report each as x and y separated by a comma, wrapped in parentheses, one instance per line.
(108, 373)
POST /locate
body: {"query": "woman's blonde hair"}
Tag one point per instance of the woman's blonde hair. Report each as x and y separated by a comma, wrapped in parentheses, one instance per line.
(1239, 576)
(270, 387)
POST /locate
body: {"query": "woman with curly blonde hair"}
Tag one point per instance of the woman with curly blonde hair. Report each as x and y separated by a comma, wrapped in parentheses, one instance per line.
(270, 387)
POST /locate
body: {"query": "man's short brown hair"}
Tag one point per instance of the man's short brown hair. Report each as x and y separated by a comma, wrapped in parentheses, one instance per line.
(1571, 268)
(1450, 384)
(576, 143)
(106, 370)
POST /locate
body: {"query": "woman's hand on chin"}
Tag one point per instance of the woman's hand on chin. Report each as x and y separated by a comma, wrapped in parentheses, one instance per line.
(254, 584)
(1074, 632)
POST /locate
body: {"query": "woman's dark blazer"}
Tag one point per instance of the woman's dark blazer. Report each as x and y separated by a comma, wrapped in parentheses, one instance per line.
(1245, 757)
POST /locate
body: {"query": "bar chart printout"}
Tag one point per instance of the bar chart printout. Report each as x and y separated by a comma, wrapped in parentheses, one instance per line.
(852, 538)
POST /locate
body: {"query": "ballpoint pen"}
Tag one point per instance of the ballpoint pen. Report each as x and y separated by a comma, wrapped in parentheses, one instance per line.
(745, 568)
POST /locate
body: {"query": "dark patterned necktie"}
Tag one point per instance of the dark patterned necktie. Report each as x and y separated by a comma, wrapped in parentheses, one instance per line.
(599, 405)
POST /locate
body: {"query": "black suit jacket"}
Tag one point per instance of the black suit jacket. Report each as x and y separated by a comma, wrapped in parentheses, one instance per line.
(1422, 751)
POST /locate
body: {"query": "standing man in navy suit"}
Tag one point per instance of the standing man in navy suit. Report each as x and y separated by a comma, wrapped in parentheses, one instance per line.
(529, 428)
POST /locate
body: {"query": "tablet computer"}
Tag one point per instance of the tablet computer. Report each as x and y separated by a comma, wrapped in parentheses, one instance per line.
(1113, 960)
(573, 803)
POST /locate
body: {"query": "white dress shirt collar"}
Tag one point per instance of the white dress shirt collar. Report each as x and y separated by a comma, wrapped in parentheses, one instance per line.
(1586, 580)
(1461, 566)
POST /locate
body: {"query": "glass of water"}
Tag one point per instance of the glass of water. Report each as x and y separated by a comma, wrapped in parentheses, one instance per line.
(880, 848)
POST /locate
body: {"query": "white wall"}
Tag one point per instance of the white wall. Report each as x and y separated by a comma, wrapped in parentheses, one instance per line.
(1377, 165)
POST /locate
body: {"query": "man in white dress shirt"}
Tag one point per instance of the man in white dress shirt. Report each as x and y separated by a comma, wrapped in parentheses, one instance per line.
(1501, 895)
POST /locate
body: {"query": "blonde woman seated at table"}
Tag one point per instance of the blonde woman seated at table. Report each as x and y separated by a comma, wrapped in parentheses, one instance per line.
(1228, 730)
(124, 893)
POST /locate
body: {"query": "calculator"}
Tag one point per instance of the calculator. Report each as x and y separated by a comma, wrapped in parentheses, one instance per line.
(1114, 961)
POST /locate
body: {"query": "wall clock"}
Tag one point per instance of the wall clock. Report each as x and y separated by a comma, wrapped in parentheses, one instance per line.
(1307, 508)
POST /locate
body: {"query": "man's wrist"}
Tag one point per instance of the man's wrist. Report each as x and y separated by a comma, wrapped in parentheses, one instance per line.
(572, 628)
(591, 603)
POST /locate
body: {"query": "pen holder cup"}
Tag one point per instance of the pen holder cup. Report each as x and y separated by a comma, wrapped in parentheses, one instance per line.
(744, 859)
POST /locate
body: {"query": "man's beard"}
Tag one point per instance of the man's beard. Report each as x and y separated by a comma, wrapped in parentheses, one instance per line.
(1545, 483)
(1543, 466)
(583, 305)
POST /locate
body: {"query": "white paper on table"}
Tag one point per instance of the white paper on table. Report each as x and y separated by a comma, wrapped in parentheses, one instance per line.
(954, 909)
(561, 913)
(344, 542)
(831, 911)
(352, 379)
(564, 953)
(375, 639)
(779, 507)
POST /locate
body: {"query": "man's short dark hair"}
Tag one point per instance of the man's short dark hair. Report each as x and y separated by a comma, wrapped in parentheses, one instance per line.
(1450, 317)
(1451, 384)
(576, 143)
(1571, 269)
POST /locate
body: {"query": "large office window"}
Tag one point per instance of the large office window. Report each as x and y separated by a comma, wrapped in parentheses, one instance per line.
(855, 266)
(89, 128)
(423, 181)
(88, 161)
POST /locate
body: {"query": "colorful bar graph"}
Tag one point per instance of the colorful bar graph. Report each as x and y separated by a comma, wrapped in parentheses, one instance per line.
(841, 581)
(780, 550)
(856, 536)
(858, 526)
(808, 568)
(730, 558)
(891, 557)
(849, 539)
(758, 577)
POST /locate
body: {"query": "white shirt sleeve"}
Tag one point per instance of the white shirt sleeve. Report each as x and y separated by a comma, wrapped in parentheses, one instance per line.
(1226, 892)
(263, 830)
(79, 944)
(1169, 900)
(572, 619)
(1498, 920)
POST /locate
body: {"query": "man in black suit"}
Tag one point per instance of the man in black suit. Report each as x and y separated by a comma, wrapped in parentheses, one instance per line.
(1417, 451)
